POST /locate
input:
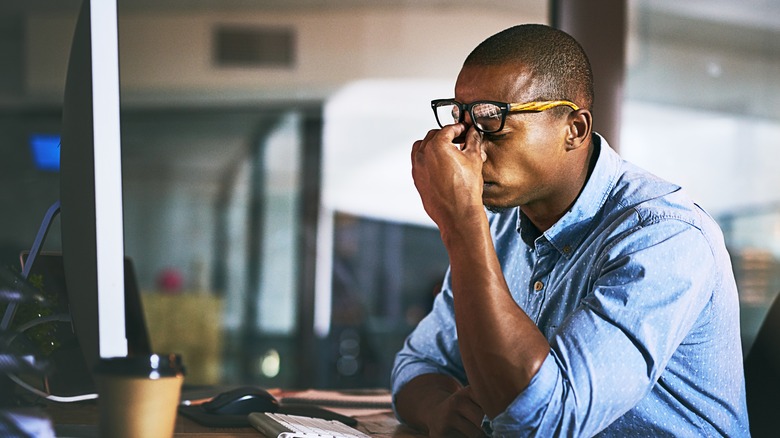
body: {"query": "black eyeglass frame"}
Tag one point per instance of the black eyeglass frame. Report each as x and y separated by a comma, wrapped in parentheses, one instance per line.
(504, 107)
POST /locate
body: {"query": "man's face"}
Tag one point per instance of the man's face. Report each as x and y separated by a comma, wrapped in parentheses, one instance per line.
(525, 160)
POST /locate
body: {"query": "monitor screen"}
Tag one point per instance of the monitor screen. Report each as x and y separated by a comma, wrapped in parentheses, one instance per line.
(45, 150)
(91, 184)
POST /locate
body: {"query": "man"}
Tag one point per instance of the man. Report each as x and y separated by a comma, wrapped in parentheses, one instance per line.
(591, 297)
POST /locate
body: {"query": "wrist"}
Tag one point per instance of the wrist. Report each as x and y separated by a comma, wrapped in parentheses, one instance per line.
(465, 228)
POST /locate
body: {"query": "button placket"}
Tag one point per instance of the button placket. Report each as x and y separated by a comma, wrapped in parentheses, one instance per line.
(542, 268)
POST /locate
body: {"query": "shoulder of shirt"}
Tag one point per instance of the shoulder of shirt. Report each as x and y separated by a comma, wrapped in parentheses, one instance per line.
(628, 188)
(653, 198)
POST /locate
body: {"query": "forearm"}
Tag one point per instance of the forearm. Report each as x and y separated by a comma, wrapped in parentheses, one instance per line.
(501, 347)
(415, 401)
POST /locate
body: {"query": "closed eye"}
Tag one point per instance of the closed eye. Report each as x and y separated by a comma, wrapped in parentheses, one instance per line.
(494, 137)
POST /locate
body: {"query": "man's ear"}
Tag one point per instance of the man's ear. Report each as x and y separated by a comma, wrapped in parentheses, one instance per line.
(579, 128)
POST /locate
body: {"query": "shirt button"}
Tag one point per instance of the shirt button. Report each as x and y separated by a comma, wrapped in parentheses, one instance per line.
(538, 286)
(566, 249)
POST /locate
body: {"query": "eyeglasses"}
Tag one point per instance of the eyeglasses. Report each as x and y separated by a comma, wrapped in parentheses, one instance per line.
(488, 116)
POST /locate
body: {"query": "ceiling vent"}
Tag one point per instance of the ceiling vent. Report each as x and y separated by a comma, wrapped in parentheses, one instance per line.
(254, 47)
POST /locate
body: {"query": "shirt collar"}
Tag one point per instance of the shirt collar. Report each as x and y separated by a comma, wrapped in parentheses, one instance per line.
(566, 234)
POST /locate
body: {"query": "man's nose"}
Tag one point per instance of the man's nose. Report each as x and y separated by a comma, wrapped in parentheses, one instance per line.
(467, 119)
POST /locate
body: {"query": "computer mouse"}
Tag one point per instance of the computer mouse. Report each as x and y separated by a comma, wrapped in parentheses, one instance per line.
(242, 401)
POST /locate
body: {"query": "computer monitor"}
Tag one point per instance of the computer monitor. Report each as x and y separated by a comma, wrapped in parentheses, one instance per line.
(68, 376)
(91, 185)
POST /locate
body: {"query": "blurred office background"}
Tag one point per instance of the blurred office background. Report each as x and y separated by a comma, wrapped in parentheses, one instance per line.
(268, 202)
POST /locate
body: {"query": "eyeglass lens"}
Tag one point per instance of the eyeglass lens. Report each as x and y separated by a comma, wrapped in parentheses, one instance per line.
(487, 116)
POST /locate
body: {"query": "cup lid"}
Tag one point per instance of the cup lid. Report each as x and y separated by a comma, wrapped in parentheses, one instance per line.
(152, 366)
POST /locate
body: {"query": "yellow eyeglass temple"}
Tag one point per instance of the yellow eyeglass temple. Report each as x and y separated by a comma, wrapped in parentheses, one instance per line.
(541, 106)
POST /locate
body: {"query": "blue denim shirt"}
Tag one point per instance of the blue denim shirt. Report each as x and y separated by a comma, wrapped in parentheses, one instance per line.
(634, 290)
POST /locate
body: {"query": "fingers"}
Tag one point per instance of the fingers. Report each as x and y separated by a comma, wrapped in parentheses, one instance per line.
(473, 144)
(447, 178)
(470, 409)
(457, 426)
(451, 133)
(446, 135)
(462, 417)
(416, 148)
(463, 428)
(443, 136)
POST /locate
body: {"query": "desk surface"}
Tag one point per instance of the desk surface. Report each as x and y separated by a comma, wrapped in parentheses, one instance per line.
(79, 420)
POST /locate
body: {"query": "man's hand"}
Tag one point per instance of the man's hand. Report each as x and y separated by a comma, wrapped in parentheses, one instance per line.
(447, 175)
(458, 415)
(440, 406)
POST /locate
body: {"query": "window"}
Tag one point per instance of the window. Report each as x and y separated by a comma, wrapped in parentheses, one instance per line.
(700, 110)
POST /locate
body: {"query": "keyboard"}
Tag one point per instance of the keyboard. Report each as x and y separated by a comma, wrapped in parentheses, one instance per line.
(294, 426)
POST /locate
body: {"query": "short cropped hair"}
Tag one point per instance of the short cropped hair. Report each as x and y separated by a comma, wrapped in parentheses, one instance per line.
(556, 60)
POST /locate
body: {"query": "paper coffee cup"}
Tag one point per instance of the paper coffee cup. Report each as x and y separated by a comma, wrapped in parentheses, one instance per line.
(138, 396)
